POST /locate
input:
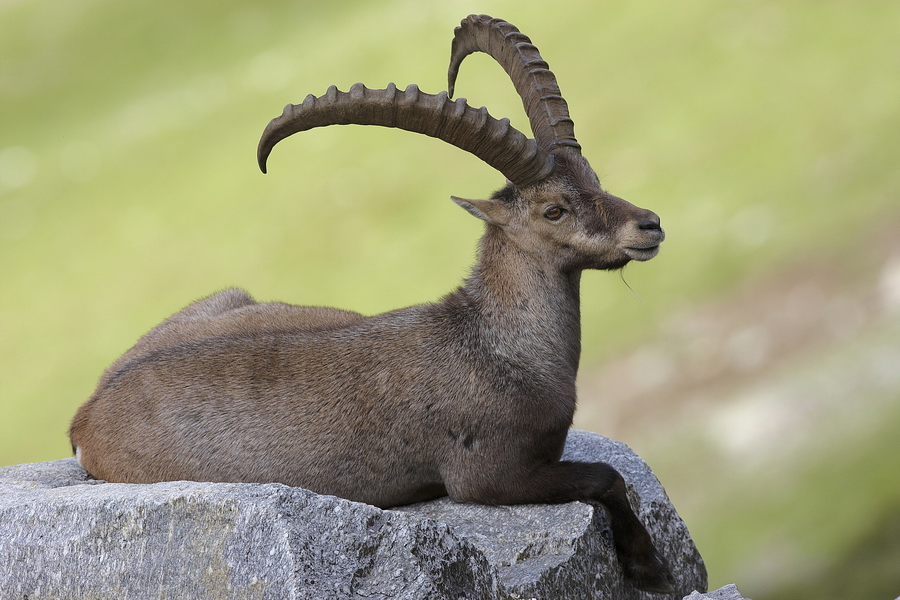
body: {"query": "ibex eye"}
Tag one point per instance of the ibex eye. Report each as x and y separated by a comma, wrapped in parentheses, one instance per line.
(553, 213)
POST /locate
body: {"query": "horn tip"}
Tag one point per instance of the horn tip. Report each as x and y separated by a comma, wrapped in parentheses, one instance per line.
(264, 149)
(261, 158)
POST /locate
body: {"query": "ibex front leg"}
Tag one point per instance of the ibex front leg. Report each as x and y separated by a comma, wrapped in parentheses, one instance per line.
(566, 481)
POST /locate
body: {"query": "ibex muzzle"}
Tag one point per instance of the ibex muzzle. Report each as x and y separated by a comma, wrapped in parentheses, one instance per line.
(471, 396)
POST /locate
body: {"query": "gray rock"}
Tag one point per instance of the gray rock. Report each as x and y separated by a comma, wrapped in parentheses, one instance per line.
(64, 535)
(729, 592)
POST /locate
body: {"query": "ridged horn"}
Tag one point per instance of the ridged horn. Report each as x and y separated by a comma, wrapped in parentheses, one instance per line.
(535, 83)
(494, 141)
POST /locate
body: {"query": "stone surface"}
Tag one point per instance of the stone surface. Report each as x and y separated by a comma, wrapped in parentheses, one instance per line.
(64, 535)
(729, 592)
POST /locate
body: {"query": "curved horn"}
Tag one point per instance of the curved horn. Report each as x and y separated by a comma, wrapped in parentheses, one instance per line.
(494, 141)
(535, 83)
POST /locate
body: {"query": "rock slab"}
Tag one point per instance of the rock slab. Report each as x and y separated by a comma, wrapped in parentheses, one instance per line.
(728, 592)
(65, 535)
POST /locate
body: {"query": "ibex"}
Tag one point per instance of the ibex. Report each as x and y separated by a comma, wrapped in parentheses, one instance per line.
(470, 397)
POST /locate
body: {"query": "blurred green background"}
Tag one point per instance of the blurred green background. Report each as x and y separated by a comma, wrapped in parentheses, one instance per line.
(758, 371)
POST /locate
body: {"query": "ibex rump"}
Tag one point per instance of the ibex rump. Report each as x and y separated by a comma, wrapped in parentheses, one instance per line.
(471, 396)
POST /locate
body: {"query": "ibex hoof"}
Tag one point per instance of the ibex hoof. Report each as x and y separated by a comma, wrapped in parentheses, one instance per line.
(652, 575)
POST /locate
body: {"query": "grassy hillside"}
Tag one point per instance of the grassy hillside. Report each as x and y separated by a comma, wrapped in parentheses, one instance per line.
(764, 134)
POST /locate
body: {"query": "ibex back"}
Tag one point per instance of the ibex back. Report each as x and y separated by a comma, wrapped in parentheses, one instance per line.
(471, 396)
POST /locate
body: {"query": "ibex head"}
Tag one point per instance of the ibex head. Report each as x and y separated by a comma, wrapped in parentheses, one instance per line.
(553, 206)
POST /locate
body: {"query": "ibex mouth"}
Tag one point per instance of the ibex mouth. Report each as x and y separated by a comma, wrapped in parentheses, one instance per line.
(646, 245)
(642, 253)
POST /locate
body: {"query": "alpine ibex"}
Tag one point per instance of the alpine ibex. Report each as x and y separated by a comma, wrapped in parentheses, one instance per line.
(470, 397)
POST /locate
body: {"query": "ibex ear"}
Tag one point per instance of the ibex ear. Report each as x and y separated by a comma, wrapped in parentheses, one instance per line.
(492, 211)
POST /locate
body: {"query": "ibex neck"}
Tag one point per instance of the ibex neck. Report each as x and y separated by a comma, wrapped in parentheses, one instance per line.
(530, 312)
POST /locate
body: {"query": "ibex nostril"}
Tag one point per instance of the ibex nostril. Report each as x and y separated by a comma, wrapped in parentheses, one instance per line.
(650, 224)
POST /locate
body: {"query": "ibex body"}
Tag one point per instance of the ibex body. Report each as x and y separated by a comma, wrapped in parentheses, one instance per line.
(471, 396)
